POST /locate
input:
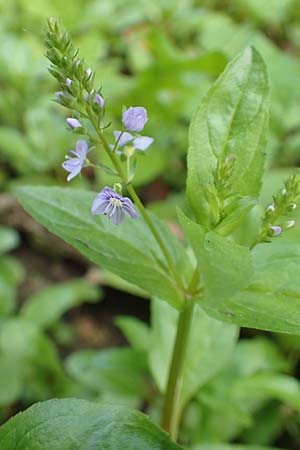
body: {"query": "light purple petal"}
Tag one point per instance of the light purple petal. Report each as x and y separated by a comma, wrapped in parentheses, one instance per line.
(117, 216)
(129, 209)
(99, 205)
(71, 164)
(125, 138)
(99, 100)
(74, 173)
(134, 118)
(82, 149)
(108, 193)
(142, 143)
(276, 230)
(73, 123)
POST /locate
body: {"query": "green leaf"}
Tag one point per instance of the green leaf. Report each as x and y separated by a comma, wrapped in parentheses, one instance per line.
(46, 306)
(231, 120)
(267, 385)
(9, 239)
(272, 300)
(11, 275)
(227, 404)
(36, 360)
(128, 250)
(16, 150)
(136, 332)
(274, 13)
(225, 266)
(72, 424)
(209, 347)
(117, 374)
(110, 279)
(11, 382)
(231, 447)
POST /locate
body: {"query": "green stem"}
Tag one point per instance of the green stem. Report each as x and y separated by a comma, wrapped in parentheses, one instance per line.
(136, 199)
(172, 407)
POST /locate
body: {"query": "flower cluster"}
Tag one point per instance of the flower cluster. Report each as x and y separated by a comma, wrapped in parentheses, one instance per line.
(76, 84)
(78, 94)
(277, 217)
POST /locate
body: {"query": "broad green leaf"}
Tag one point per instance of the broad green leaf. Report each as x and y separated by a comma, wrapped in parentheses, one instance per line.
(257, 355)
(231, 120)
(73, 424)
(128, 250)
(230, 401)
(110, 279)
(117, 375)
(272, 300)
(11, 382)
(11, 275)
(267, 385)
(9, 239)
(274, 13)
(225, 266)
(15, 149)
(36, 360)
(46, 306)
(136, 332)
(209, 347)
(231, 447)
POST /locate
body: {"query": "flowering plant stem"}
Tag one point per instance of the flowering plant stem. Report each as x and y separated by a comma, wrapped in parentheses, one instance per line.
(172, 407)
(138, 203)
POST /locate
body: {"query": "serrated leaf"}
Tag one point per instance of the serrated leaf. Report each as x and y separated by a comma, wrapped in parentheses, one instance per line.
(71, 424)
(231, 120)
(128, 250)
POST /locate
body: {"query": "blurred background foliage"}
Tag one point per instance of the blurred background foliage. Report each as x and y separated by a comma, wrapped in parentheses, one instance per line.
(163, 55)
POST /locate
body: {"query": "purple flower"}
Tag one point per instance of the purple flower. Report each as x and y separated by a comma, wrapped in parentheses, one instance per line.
(113, 205)
(75, 164)
(134, 118)
(73, 123)
(60, 94)
(68, 82)
(140, 143)
(276, 230)
(97, 99)
(124, 139)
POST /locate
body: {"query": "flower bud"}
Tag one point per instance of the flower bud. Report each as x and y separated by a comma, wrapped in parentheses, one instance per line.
(74, 123)
(276, 230)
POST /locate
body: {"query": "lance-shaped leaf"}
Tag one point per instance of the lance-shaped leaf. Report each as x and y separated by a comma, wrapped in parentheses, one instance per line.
(225, 266)
(231, 120)
(272, 299)
(71, 424)
(128, 250)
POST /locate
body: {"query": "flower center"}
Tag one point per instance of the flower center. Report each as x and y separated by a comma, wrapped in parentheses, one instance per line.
(116, 202)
